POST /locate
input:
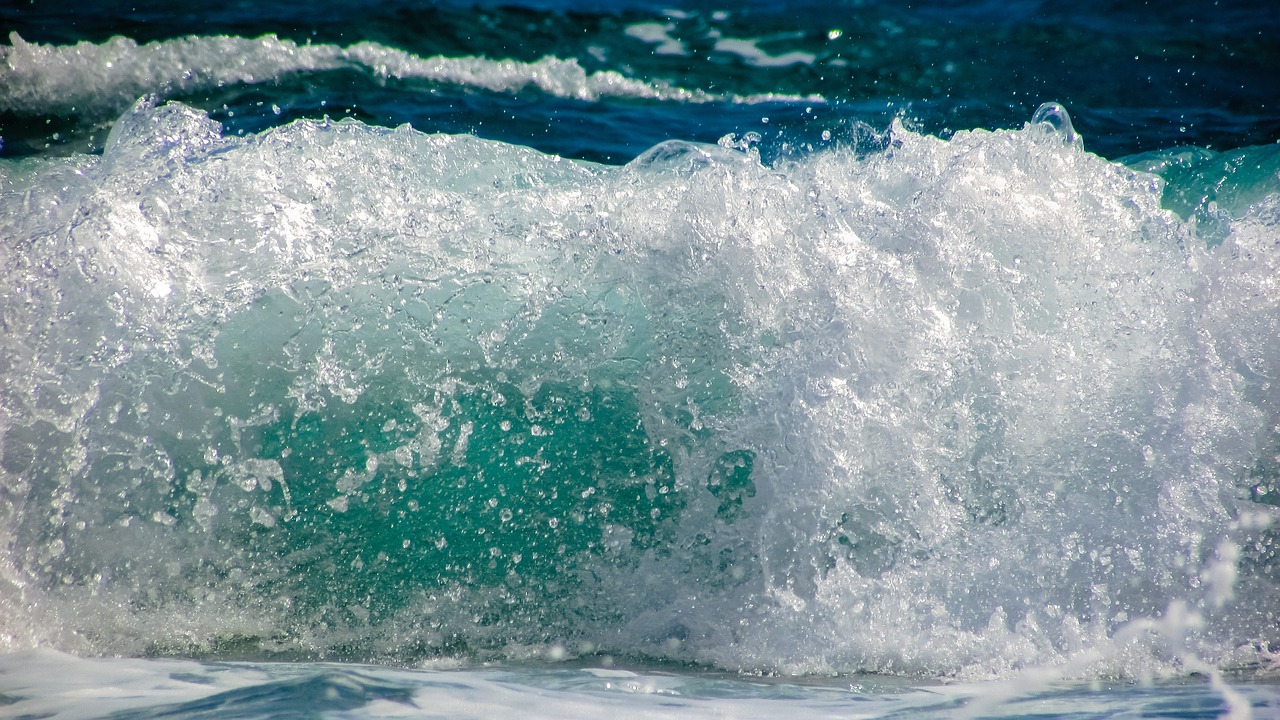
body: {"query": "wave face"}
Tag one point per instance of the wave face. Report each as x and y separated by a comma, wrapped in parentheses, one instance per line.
(955, 407)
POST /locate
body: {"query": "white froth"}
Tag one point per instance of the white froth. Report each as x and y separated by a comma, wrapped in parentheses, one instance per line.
(53, 685)
(1003, 407)
(749, 50)
(95, 78)
(658, 35)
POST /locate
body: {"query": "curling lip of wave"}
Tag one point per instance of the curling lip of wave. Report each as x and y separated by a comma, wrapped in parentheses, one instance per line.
(88, 78)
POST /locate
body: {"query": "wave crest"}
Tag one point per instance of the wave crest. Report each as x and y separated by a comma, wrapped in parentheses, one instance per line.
(103, 78)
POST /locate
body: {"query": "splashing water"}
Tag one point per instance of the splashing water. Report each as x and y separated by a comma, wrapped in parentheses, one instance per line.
(953, 407)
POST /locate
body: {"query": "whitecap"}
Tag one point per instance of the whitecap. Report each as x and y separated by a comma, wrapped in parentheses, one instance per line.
(103, 78)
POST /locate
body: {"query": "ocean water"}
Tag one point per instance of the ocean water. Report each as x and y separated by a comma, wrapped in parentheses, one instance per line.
(809, 359)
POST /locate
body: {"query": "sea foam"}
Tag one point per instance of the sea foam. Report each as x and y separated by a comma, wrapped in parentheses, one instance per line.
(96, 78)
(954, 407)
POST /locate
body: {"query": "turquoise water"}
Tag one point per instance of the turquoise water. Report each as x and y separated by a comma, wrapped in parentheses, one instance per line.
(743, 356)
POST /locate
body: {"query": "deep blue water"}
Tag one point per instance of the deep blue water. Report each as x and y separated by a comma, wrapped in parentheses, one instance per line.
(1135, 78)
(892, 359)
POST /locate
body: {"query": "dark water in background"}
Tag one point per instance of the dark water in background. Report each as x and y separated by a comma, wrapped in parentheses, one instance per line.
(1135, 77)
(813, 374)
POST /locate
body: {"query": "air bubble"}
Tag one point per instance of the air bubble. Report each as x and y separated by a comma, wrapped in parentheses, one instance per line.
(1055, 117)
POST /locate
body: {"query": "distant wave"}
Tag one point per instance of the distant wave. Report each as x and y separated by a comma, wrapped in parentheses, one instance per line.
(90, 78)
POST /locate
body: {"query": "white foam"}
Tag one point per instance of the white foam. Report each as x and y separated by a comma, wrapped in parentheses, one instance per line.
(1003, 407)
(749, 50)
(63, 687)
(49, 684)
(88, 78)
(53, 685)
(658, 34)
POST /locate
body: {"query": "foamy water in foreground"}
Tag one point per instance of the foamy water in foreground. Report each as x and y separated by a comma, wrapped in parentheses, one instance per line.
(183, 688)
